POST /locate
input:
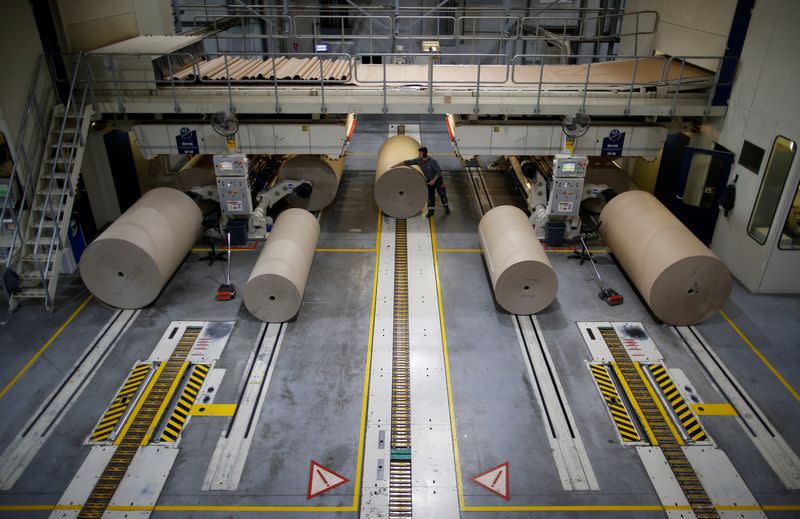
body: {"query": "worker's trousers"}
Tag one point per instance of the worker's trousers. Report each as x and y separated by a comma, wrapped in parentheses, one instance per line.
(438, 186)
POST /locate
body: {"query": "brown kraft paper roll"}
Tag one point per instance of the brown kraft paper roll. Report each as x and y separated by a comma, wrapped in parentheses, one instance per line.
(323, 172)
(275, 289)
(129, 264)
(523, 280)
(400, 192)
(680, 279)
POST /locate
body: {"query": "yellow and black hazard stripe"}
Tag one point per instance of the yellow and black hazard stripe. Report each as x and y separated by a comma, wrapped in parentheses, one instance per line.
(184, 406)
(682, 410)
(120, 403)
(622, 419)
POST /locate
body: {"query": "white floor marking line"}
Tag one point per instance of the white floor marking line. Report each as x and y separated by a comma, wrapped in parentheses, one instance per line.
(233, 446)
(81, 486)
(143, 482)
(722, 483)
(572, 462)
(375, 481)
(435, 491)
(24, 447)
(780, 457)
(664, 482)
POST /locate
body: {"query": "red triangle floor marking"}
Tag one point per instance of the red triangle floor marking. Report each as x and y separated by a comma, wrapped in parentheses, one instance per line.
(322, 479)
(496, 480)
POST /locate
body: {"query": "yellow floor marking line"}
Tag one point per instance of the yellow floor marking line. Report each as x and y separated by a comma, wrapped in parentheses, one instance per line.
(49, 342)
(457, 456)
(575, 508)
(213, 409)
(684, 413)
(174, 426)
(714, 409)
(248, 508)
(755, 350)
(593, 251)
(651, 437)
(522, 508)
(619, 413)
(367, 368)
(345, 250)
(120, 403)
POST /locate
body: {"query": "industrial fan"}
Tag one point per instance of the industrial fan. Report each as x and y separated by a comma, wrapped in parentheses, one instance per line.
(574, 126)
(226, 124)
(577, 125)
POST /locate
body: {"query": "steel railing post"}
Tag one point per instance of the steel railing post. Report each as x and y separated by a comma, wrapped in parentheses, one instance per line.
(275, 84)
(539, 92)
(714, 86)
(172, 85)
(678, 87)
(586, 85)
(430, 86)
(322, 108)
(231, 108)
(630, 92)
(385, 108)
(477, 90)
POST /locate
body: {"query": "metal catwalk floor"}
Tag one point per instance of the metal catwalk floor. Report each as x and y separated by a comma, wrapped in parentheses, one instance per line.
(314, 404)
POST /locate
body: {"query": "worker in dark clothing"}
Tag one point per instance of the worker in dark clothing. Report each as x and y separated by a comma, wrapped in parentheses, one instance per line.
(433, 177)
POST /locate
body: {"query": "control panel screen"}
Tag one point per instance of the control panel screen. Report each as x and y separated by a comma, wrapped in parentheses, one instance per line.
(568, 167)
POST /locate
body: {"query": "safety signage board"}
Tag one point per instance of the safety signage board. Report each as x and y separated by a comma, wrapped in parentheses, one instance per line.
(613, 144)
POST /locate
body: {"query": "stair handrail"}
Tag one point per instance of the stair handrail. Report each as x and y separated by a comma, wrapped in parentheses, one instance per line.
(46, 207)
(77, 139)
(18, 162)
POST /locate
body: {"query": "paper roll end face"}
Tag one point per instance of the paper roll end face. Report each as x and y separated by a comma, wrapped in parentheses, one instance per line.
(691, 290)
(120, 274)
(324, 181)
(526, 288)
(401, 192)
(272, 298)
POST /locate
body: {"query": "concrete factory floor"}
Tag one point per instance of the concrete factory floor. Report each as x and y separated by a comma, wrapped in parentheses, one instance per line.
(314, 404)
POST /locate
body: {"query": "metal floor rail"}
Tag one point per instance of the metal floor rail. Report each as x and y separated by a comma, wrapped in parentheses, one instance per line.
(102, 493)
(400, 463)
(658, 428)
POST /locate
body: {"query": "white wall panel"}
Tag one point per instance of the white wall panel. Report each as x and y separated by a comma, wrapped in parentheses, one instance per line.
(507, 138)
(261, 138)
(762, 106)
(326, 138)
(292, 138)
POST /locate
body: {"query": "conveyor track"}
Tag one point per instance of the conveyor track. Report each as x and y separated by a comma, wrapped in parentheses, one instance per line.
(400, 462)
(143, 418)
(659, 431)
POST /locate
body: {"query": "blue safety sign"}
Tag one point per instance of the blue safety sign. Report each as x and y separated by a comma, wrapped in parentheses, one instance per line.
(612, 145)
(187, 142)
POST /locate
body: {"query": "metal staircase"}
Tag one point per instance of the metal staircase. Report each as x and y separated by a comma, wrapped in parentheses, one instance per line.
(43, 183)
